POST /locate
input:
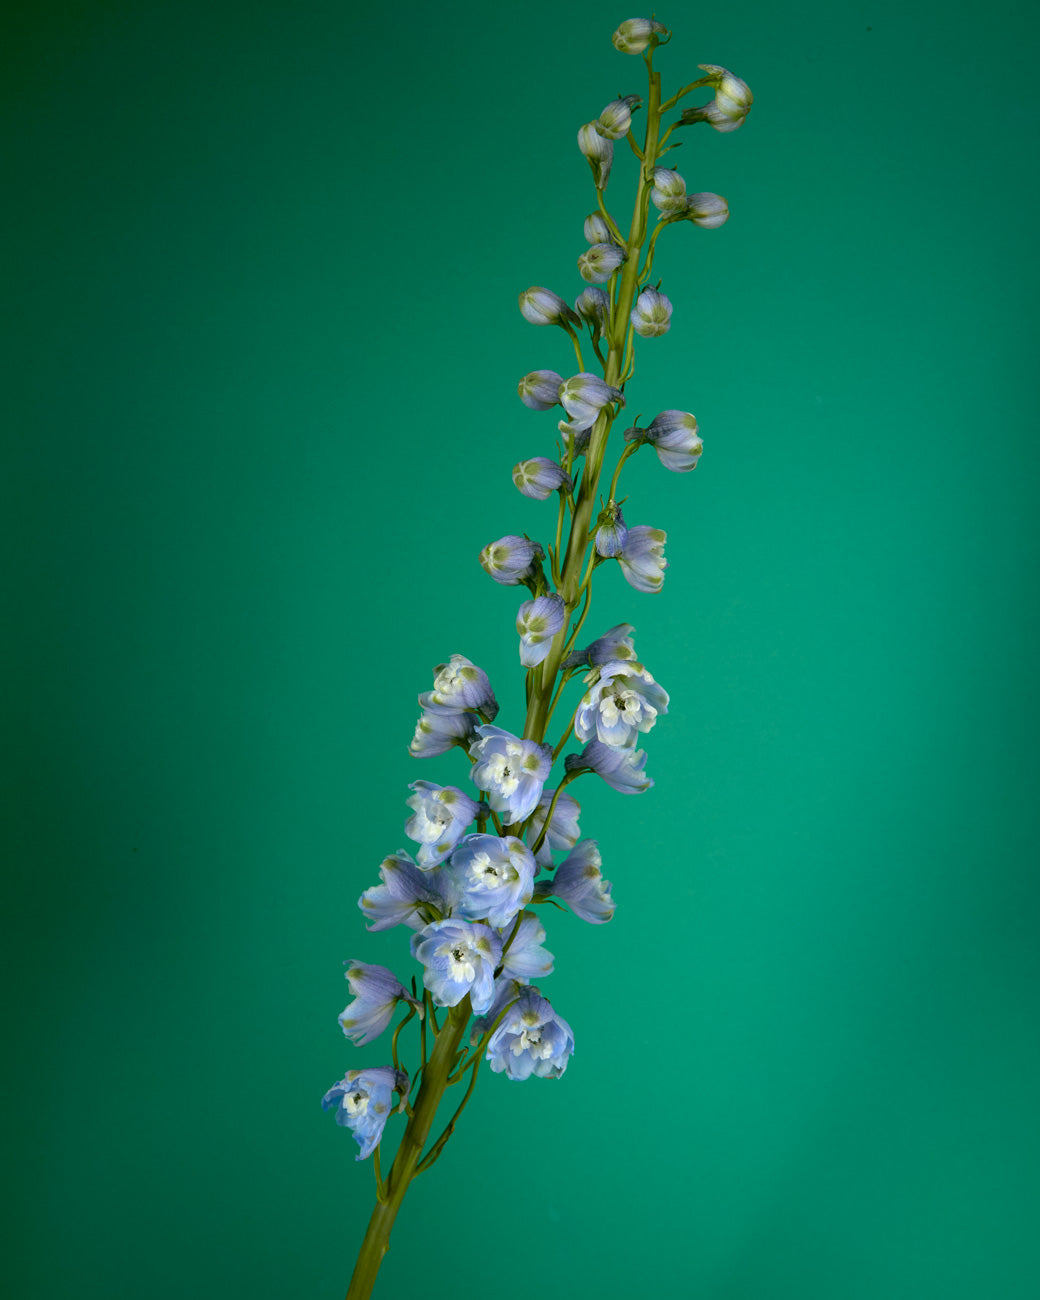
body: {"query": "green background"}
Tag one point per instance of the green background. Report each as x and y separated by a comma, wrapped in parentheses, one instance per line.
(261, 374)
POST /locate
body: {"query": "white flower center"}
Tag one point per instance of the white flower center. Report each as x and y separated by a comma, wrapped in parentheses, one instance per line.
(356, 1103)
(502, 774)
(461, 965)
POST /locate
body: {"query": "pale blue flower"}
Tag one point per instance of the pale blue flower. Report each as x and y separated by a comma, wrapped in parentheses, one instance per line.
(376, 992)
(615, 644)
(495, 878)
(610, 531)
(598, 263)
(635, 34)
(511, 771)
(363, 1101)
(460, 685)
(623, 701)
(584, 396)
(642, 560)
(622, 769)
(531, 1039)
(599, 151)
(563, 825)
(408, 895)
(543, 307)
(540, 389)
(673, 435)
(537, 623)
(539, 477)
(526, 959)
(438, 730)
(579, 882)
(652, 315)
(616, 119)
(441, 814)
(458, 957)
(511, 560)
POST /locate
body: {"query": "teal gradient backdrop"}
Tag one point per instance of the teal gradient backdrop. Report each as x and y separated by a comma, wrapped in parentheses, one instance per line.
(262, 355)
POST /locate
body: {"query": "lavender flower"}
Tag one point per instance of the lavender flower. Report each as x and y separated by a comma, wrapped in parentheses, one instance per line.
(460, 685)
(537, 623)
(531, 1039)
(584, 396)
(540, 390)
(363, 1101)
(458, 957)
(610, 531)
(642, 560)
(623, 701)
(539, 477)
(673, 435)
(376, 992)
(563, 825)
(408, 895)
(622, 769)
(511, 560)
(495, 878)
(440, 815)
(438, 730)
(615, 644)
(511, 771)
(526, 958)
(652, 314)
(579, 883)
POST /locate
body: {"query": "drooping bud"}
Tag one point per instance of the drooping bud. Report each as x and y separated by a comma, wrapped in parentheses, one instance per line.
(543, 307)
(674, 436)
(610, 531)
(635, 34)
(511, 560)
(539, 477)
(669, 192)
(732, 102)
(537, 623)
(616, 118)
(596, 229)
(599, 151)
(593, 305)
(642, 560)
(540, 389)
(584, 396)
(598, 263)
(652, 314)
(707, 210)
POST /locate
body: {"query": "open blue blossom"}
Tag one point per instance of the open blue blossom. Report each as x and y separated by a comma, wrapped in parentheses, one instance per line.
(509, 770)
(543, 307)
(540, 390)
(441, 814)
(673, 435)
(539, 477)
(531, 1039)
(495, 878)
(438, 730)
(526, 959)
(363, 1100)
(459, 685)
(622, 769)
(579, 883)
(563, 825)
(458, 957)
(537, 623)
(642, 559)
(511, 560)
(584, 396)
(613, 644)
(622, 702)
(376, 992)
(408, 895)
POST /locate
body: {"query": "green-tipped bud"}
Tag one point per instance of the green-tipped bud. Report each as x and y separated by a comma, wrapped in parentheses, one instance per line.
(598, 263)
(599, 151)
(707, 210)
(616, 118)
(593, 306)
(596, 229)
(669, 193)
(635, 34)
(543, 307)
(731, 105)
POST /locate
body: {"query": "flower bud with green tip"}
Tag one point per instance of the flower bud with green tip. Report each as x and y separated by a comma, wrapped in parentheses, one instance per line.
(610, 531)
(642, 560)
(511, 560)
(537, 623)
(584, 396)
(597, 231)
(540, 390)
(616, 118)
(635, 34)
(652, 315)
(593, 306)
(669, 193)
(673, 435)
(539, 477)
(731, 105)
(543, 307)
(598, 263)
(599, 151)
(707, 210)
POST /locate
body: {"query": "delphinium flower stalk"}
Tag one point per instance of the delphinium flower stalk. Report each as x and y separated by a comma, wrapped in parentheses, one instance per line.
(489, 857)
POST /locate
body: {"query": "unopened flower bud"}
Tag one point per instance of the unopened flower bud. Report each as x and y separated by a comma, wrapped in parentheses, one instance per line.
(539, 477)
(596, 229)
(540, 389)
(511, 560)
(635, 34)
(593, 306)
(616, 118)
(599, 151)
(543, 307)
(733, 98)
(598, 263)
(584, 396)
(610, 531)
(652, 314)
(707, 210)
(537, 623)
(674, 436)
(669, 192)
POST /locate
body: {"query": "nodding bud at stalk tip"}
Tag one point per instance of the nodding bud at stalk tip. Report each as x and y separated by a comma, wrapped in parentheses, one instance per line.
(599, 151)
(616, 118)
(635, 34)
(543, 307)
